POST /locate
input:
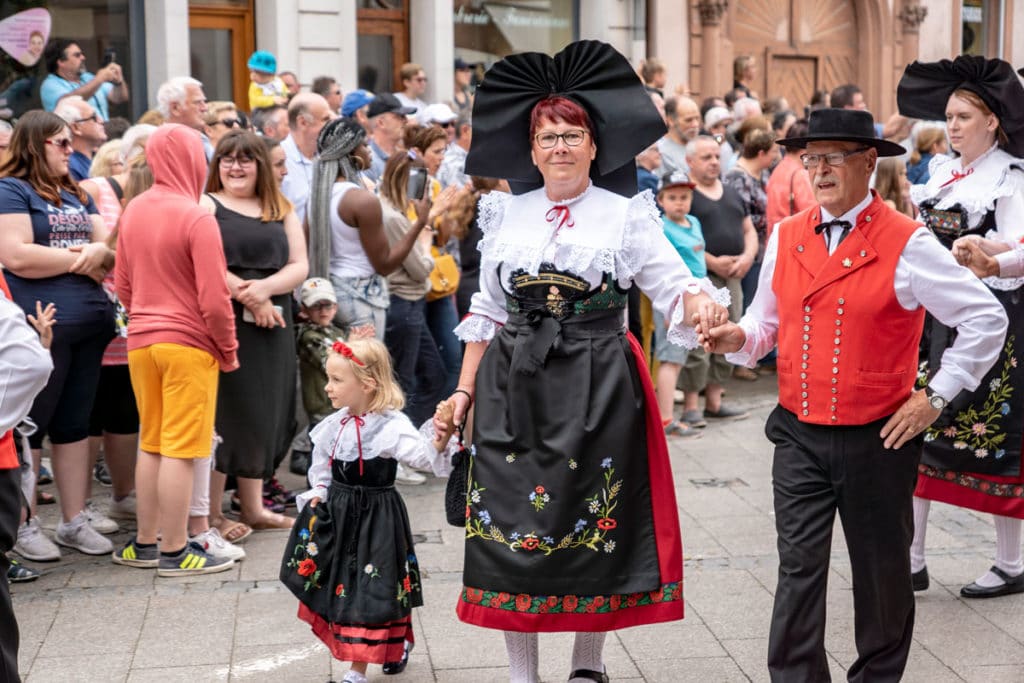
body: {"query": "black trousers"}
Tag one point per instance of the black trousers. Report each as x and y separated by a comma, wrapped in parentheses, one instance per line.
(817, 471)
(10, 517)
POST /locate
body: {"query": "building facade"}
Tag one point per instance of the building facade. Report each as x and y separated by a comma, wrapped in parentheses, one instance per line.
(799, 45)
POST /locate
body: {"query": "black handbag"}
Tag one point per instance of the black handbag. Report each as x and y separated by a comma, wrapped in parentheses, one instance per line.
(456, 492)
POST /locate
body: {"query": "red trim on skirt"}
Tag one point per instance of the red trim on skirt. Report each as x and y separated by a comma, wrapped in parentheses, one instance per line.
(377, 643)
(667, 537)
(970, 498)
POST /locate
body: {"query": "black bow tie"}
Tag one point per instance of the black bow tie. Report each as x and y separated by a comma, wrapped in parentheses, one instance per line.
(821, 227)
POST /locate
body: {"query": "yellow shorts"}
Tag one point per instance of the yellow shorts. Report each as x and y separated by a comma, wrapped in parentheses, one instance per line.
(176, 390)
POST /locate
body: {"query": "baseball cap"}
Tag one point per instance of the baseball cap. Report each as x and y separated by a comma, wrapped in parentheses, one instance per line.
(316, 289)
(386, 102)
(354, 101)
(461, 64)
(436, 113)
(262, 61)
(675, 179)
(716, 115)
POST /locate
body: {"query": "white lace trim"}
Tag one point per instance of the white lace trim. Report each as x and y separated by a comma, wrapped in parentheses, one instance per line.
(491, 212)
(1004, 284)
(476, 328)
(570, 200)
(992, 179)
(680, 332)
(623, 261)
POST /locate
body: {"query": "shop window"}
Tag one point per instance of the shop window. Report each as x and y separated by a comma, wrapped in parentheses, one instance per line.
(383, 44)
(487, 31)
(979, 27)
(101, 28)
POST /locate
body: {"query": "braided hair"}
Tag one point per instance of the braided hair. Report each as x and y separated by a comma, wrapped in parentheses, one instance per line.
(335, 145)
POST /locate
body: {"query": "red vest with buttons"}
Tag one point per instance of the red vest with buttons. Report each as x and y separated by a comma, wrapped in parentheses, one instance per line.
(8, 456)
(847, 349)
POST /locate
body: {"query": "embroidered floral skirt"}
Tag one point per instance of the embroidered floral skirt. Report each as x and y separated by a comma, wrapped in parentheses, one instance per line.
(350, 561)
(571, 516)
(972, 453)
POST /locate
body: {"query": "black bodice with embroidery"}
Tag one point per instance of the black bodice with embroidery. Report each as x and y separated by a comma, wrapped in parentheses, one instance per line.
(950, 224)
(561, 293)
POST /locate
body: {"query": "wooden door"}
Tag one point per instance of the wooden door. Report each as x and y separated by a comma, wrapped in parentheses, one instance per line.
(221, 40)
(383, 43)
(801, 45)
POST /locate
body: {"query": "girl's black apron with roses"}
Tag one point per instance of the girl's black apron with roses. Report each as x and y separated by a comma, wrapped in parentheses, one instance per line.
(566, 523)
(972, 452)
(351, 563)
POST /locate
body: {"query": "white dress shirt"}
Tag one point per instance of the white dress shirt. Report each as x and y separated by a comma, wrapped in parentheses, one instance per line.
(297, 183)
(926, 275)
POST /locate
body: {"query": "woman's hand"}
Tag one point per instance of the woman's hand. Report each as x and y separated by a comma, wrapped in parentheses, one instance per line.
(43, 321)
(253, 293)
(266, 315)
(441, 204)
(422, 208)
(314, 501)
(92, 260)
(460, 402)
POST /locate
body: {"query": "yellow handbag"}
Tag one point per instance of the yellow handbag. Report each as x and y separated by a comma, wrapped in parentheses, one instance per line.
(444, 278)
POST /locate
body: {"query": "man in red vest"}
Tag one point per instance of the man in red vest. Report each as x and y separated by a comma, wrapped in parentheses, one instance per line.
(24, 368)
(843, 290)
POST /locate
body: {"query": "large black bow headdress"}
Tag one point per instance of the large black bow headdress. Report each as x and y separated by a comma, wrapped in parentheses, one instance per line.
(592, 74)
(925, 88)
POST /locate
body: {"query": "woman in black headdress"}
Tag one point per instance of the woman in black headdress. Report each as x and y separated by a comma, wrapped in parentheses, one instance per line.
(571, 522)
(972, 454)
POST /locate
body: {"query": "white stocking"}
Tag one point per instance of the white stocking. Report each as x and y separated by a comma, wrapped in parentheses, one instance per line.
(586, 652)
(1008, 556)
(921, 507)
(523, 657)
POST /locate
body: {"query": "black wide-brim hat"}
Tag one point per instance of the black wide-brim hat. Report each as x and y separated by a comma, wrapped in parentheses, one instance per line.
(924, 91)
(844, 125)
(590, 73)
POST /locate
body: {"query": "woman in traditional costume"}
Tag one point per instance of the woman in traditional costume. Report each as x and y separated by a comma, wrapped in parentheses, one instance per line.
(972, 454)
(571, 520)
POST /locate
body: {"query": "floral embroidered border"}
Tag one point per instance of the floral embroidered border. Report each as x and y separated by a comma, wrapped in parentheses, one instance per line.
(967, 481)
(570, 604)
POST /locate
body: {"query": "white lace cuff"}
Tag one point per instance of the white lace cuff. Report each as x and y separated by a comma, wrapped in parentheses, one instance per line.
(680, 332)
(476, 328)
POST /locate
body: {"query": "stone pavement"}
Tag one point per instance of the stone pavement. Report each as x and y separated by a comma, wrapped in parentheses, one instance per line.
(89, 620)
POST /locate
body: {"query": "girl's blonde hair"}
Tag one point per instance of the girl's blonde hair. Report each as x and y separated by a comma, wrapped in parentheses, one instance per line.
(927, 137)
(374, 363)
(102, 164)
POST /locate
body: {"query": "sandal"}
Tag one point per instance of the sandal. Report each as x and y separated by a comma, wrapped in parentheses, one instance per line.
(590, 675)
(44, 498)
(272, 520)
(233, 532)
(681, 431)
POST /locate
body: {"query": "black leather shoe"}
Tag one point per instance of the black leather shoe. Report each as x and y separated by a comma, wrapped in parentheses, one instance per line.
(299, 463)
(1011, 585)
(399, 666)
(920, 580)
(590, 675)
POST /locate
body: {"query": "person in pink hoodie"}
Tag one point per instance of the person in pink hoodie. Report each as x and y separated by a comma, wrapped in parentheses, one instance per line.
(170, 277)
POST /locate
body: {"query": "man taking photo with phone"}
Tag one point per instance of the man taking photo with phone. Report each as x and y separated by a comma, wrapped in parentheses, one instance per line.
(65, 63)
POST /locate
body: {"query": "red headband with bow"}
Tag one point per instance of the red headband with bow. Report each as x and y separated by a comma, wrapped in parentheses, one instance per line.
(344, 349)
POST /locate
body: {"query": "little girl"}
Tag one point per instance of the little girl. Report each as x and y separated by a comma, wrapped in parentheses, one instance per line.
(350, 559)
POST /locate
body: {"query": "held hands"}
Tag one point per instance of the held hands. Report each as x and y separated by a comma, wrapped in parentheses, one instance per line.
(460, 408)
(253, 293)
(92, 260)
(977, 254)
(43, 321)
(912, 418)
(705, 314)
(444, 424)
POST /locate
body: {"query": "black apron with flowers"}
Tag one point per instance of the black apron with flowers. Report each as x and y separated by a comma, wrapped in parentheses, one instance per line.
(980, 431)
(559, 495)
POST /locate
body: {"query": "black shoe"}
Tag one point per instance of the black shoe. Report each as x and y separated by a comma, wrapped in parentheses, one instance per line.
(1011, 585)
(920, 580)
(299, 463)
(101, 474)
(590, 675)
(399, 666)
(19, 573)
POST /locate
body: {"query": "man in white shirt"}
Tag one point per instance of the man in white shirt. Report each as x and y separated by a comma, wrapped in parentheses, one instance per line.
(844, 287)
(307, 114)
(453, 166)
(414, 86)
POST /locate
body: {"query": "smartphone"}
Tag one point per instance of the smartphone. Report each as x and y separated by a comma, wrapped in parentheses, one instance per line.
(109, 56)
(248, 317)
(417, 187)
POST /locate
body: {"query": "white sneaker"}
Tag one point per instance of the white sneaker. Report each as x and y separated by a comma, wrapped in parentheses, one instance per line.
(122, 509)
(78, 534)
(33, 544)
(404, 475)
(99, 521)
(216, 546)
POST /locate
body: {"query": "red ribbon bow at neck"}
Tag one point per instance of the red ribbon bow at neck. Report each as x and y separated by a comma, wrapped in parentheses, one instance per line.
(559, 216)
(359, 422)
(957, 175)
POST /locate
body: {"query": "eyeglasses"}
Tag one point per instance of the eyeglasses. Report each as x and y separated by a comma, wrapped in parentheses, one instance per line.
(572, 138)
(229, 123)
(94, 117)
(832, 159)
(64, 144)
(321, 305)
(450, 124)
(241, 160)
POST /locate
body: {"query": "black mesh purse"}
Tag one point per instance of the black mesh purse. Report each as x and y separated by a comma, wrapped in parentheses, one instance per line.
(456, 492)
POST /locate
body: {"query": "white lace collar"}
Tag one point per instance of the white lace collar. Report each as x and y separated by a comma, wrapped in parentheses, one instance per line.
(378, 433)
(975, 187)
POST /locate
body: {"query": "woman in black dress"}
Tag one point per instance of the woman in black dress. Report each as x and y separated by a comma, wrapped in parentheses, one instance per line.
(266, 256)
